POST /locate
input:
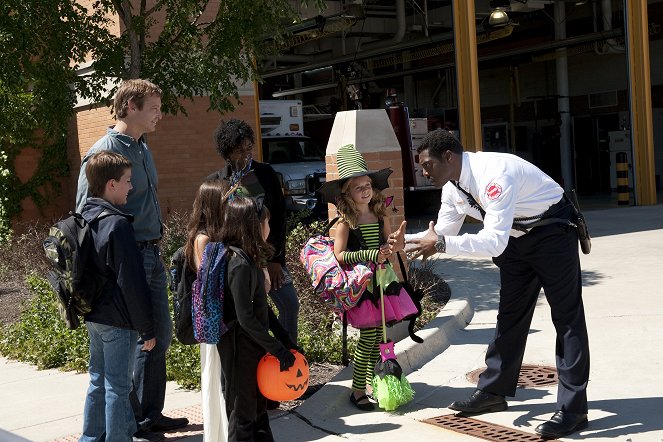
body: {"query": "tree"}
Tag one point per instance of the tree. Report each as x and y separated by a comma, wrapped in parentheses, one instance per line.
(41, 43)
(188, 47)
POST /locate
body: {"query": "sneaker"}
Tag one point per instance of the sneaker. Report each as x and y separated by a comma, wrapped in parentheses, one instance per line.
(147, 436)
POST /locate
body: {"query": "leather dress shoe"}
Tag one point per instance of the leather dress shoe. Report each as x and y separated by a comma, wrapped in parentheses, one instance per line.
(166, 423)
(562, 424)
(147, 436)
(480, 402)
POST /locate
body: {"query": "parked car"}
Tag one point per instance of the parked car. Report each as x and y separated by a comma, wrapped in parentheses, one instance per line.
(300, 163)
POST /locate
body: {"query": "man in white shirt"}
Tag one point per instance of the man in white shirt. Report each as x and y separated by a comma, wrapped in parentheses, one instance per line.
(529, 231)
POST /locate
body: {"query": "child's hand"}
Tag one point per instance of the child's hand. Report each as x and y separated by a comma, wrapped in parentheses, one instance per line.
(286, 359)
(385, 252)
(268, 281)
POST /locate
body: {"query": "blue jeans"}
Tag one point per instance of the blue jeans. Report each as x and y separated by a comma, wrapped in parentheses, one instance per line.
(108, 415)
(286, 302)
(150, 368)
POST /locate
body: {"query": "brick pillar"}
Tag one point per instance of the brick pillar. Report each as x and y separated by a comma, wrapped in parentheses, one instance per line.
(372, 134)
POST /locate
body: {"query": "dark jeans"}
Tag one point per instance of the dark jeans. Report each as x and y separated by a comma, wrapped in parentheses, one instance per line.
(286, 302)
(246, 407)
(150, 367)
(545, 257)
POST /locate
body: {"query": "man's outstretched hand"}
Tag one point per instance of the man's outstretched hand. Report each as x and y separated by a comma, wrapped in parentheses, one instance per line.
(424, 246)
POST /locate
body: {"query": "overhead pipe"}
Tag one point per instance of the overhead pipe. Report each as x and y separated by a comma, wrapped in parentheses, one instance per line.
(563, 106)
(398, 35)
(610, 45)
(452, 96)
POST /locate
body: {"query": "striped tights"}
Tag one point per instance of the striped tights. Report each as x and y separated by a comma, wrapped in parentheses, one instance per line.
(366, 356)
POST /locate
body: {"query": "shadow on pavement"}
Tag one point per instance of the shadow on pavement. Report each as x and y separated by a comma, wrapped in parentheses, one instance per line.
(626, 417)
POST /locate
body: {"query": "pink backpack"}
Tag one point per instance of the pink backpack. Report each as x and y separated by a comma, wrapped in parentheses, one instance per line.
(339, 285)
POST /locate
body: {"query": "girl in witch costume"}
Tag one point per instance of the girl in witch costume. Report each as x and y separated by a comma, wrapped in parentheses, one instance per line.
(242, 225)
(362, 236)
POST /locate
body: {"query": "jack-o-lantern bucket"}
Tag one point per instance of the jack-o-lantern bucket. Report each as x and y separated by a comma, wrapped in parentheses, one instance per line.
(280, 385)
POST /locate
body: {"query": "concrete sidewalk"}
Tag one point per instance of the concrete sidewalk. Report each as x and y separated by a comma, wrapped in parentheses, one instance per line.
(622, 288)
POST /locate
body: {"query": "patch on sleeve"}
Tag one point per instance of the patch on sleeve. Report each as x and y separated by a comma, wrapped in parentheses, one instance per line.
(493, 191)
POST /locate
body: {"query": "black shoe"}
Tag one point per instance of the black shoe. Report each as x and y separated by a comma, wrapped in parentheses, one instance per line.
(562, 424)
(480, 402)
(147, 436)
(166, 423)
(366, 406)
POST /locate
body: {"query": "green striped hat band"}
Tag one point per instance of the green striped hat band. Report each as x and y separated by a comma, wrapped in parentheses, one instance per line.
(350, 161)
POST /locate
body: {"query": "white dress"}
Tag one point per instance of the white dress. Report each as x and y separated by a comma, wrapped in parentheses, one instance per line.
(215, 421)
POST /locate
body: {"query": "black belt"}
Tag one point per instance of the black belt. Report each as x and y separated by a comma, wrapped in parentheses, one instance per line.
(149, 242)
(547, 217)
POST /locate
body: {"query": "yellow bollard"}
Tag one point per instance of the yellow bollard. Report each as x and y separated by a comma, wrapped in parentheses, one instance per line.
(622, 179)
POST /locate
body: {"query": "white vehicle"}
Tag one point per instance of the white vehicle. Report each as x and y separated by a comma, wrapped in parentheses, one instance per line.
(297, 159)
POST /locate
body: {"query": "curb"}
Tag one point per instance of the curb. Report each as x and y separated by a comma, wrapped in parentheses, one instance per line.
(326, 403)
(436, 334)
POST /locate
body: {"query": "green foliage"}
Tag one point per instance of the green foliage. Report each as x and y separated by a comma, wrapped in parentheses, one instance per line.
(324, 344)
(183, 365)
(40, 337)
(174, 234)
(5, 224)
(41, 44)
(183, 361)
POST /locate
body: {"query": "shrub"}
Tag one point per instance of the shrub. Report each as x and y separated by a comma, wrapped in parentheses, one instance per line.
(22, 254)
(40, 337)
(436, 290)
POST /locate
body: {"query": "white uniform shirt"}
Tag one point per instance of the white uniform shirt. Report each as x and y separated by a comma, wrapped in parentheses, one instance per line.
(506, 187)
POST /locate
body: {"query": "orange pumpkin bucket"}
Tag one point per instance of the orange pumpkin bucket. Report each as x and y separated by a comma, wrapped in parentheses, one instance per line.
(280, 385)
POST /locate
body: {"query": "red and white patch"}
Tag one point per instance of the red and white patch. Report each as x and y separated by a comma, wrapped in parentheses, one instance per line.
(493, 191)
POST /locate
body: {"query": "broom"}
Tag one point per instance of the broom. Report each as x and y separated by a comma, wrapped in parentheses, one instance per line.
(390, 387)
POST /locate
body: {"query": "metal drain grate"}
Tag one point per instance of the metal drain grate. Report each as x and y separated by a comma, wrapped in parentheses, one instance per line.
(530, 376)
(482, 430)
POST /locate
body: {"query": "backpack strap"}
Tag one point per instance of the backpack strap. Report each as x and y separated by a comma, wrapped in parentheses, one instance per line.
(329, 225)
(415, 300)
(344, 351)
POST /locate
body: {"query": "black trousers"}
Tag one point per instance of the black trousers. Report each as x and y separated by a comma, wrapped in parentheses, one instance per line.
(246, 407)
(545, 257)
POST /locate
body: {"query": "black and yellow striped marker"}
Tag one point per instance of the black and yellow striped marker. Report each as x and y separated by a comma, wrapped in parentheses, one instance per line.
(622, 179)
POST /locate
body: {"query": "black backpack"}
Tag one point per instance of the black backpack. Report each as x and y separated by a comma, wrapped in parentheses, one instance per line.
(181, 281)
(68, 247)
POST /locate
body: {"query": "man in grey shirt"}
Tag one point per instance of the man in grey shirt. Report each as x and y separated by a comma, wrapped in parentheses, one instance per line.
(137, 108)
